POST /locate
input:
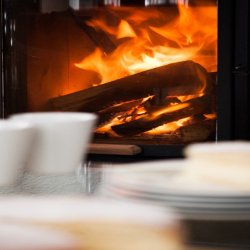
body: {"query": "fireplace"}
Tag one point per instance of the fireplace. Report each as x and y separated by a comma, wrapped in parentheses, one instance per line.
(159, 74)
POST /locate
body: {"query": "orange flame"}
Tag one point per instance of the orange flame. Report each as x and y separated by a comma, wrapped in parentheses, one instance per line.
(192, 35)
(169, 127)
(171, 109)
(148, 38)
(125, 30)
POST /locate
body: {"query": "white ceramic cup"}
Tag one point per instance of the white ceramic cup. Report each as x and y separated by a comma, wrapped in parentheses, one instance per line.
(15, 144)
(60, 142)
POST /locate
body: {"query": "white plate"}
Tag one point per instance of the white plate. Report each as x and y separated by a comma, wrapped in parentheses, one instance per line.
(158, 178)
(152, 182)
(190, 213)
(178, 202)
(175, 197)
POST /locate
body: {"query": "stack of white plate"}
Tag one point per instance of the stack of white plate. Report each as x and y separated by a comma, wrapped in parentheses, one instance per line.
(154, 182)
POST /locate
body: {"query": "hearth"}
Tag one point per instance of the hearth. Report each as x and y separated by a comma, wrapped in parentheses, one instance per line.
(160, 74)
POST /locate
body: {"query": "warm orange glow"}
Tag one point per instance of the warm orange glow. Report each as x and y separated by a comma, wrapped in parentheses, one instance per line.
(125, 30)
(210, 116)
(99, 24)
(107, 128)
(139, 111)
(185, 98)
(170, 109)
(192, 35)
(148, 38)
(169, 127)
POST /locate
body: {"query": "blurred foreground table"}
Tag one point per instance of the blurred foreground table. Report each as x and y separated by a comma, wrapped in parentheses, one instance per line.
(90, 178)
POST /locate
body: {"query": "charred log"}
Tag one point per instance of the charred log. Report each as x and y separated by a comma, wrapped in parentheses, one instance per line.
(148, 122)
(111, 112)
(151, 105)
(182, 78)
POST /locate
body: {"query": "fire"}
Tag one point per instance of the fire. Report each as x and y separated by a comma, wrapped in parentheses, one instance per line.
(125, 30)
(169, 127)
(170, 109)
(150, 38)
(192, 35)
(210, 116)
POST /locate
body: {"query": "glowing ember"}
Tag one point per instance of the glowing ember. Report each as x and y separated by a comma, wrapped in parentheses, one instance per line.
(210, 116)
(170, 109)
(169, 127)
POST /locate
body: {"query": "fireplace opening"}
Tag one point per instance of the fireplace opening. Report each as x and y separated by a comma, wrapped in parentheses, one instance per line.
(148, 72)
(149, 69)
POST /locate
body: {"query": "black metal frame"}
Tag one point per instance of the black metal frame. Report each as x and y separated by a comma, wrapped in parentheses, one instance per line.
(241, 71)
(13, 56)
(233, 90)
(1, 60)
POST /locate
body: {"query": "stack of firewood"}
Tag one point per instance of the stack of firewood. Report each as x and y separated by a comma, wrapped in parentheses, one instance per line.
(157, 91)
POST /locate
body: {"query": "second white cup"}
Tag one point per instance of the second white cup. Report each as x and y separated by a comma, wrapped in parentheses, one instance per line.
(61, 140)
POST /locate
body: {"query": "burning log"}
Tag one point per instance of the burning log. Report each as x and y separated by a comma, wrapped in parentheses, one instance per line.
(174, 113)
(151, 105)
(182, 78)
(109, 113)
(129, 109)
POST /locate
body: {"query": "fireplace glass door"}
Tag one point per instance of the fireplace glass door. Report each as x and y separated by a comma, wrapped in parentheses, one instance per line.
(147, 68)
